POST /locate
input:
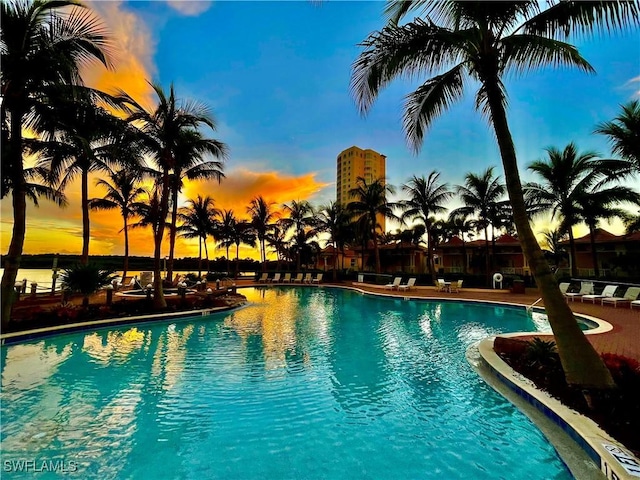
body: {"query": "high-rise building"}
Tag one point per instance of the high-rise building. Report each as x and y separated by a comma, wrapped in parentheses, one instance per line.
(355, 162)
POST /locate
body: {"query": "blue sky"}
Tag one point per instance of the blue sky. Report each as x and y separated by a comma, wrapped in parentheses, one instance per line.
(276, 75)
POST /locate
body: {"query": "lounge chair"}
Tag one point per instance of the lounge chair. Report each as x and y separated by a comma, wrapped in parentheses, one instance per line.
(634, 303)
(287, 278)
(394, 284)
(409, 285)
(631, 295)
(318, 278)
(564, 286)
(275, 279)
(586, 288)
(298, 278)
(456, 286)
(609, 291)
(307, 278)
(127, 283)
(263, 278)
(441, 286)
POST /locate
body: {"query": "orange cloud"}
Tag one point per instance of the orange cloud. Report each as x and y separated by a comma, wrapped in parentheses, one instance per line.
(241, 185)
(133, 49)
(190, 7)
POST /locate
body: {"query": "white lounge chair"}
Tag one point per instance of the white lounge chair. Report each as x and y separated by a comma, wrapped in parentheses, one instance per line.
(586, 288)
(441, 286)
(609, 291)
(263, 278)
(409, 285)
(394, 284)
(564, 286)
(455, 287)
(318, 278)
(275, 279)
(298, 278)
(307, 278)
(287, 278)
(634, 303)
(631, 295)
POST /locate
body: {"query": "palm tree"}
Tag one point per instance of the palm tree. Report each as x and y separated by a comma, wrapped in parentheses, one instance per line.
(227, 232)
(485, 41)
(190, 164)
(334, 219)
(164, 130)
(123, 191)
(198, 219)
(632, 223)
(244, 234)
(624, 133)
(370, 201)
(603, 204)
(84, 138)
(426, 198)
(41, 50)
(481, 195)
(459, 224)
(568, 176)
(276, 239)
(262, 216)
(301, 219)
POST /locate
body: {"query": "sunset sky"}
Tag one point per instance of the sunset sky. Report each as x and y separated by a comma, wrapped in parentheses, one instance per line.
(276, 75)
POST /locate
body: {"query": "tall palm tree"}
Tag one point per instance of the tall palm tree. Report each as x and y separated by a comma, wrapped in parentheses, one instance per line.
(624, 133)
(122, 192)
(300, 218)
(568, 175)
(485, 41)
(83, 138)
(164, 129)
(262, 215)
(334, 219)
(369, 202)
(276, 239)
(191, 164)
(603, 204)
(426, 198)
(459, 224)
(481, 195)
(41, 49)
(199, 219)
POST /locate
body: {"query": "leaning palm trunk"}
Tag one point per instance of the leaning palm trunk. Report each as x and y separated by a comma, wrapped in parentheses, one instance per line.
(19, 199)
(172, 232)
(159, 301)
(581, 363)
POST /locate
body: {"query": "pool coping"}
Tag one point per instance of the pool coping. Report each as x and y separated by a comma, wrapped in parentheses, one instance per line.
(608, 454)
(37, 333)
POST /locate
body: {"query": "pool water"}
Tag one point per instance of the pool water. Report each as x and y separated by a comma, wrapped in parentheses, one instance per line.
(304, 383)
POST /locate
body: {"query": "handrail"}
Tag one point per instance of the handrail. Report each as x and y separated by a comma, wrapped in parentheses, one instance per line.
(530, 307)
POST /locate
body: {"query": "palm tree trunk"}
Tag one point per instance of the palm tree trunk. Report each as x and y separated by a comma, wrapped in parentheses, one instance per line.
(172, 230)
(206, 254)
(335, 261)
(432, 266)
(84, 259)
(19, 200)
(228, 264)
(237, 259)
(376, 251)
(159, 301)
(594, 254)
(199, 257)
(125, 267)
(572, 253)
(582, 365)
(486, 259)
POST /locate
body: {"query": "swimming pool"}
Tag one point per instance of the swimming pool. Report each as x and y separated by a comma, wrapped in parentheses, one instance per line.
(303, 383)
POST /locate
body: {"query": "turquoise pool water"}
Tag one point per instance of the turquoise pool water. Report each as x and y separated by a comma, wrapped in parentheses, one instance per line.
(305, 383)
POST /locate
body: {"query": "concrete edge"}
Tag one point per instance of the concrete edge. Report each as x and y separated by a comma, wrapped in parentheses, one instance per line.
(609, 455)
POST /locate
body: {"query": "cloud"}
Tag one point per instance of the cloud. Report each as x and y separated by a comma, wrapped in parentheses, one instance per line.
(190, 7)
(241, 185)
(133, 51)
(635, 83)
